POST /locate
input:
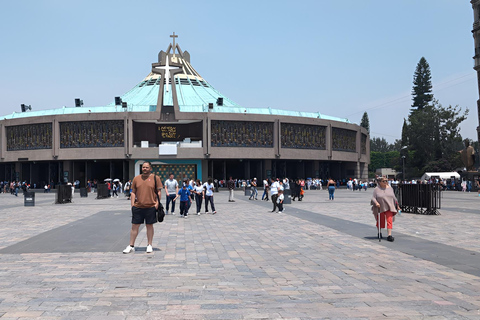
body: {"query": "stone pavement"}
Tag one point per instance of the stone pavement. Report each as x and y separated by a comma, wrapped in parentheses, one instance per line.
(318, 260)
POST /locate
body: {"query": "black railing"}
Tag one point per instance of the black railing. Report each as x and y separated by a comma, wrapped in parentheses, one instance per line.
(419, 198)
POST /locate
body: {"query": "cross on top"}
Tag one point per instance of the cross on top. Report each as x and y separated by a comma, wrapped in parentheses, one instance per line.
(173, 36)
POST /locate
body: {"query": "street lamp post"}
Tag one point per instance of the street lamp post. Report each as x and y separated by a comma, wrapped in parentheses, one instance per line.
(403, 161)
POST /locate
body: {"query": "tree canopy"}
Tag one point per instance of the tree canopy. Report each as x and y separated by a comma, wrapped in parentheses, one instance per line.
(365, 123)
(430, 136)
(422, 86)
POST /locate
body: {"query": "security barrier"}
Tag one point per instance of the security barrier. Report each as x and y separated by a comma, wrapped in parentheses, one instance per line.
(102, 191)
(419, 198)
(64, 194)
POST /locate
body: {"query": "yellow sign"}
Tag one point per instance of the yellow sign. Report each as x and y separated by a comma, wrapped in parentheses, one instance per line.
(168, 132)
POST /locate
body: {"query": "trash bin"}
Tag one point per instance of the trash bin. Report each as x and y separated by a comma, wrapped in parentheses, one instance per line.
(248, 191)
(83, 192)
(29, 198)
(287, 196)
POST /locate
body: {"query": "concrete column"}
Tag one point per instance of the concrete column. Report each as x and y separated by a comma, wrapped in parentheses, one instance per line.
(3, 141)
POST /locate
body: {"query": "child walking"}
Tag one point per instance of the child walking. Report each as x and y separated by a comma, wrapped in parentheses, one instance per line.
(184, 195)
(280, 201)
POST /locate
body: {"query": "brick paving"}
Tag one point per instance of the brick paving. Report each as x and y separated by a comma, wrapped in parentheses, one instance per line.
(243, 263)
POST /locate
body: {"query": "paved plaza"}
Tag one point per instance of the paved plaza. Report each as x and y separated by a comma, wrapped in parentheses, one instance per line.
(319, 259)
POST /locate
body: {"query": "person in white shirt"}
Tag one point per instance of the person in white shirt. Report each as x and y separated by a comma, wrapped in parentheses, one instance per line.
(280, 201)
(199, 192)
(274, 193)
(208, 186)
(171, 191)
(265, 190)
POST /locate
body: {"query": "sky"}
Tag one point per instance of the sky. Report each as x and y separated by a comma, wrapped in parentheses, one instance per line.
(339, 58)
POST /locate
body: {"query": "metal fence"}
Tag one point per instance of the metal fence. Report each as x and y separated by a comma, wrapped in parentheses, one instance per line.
(64, 194)
(102, 191)
(419, 198)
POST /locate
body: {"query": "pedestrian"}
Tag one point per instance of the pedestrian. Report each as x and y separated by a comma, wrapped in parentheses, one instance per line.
(144, 201)
(385, 206)
(128, 187)
(191, 198)
(301, 191)
(208, 186)
(331, 189)
(265, 190)
(114, 189)
(274, 193)
(295, 189)
(199, 195)
(171, 190)
(184, 195)
(280, 201)
(254, 192)
(231, 189)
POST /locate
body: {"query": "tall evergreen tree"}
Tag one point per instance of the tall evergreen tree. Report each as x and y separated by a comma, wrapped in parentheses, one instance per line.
(365, 123)
(422, 86)
(405, 133)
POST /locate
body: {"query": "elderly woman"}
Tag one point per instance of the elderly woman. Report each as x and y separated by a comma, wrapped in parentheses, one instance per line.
(385, 202)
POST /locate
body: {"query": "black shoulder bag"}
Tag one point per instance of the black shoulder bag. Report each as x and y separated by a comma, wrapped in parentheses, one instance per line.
(160, 210)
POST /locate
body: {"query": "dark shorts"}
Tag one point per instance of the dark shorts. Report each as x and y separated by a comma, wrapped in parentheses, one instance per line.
(141, 215)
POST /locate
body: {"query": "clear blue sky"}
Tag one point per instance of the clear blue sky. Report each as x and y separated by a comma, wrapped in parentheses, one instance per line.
(340, 58)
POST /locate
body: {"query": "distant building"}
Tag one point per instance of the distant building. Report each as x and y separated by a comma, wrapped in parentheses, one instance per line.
(175, 119)
(386, 172)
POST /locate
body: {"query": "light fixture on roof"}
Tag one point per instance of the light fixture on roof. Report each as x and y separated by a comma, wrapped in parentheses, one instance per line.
(219, 101)
(124, 105)
(118, 101)
(78, 102)
(24, 107)
(210, 106)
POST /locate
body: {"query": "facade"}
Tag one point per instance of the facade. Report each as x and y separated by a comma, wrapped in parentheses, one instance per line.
(175, 119)
(386, 172)
(476, 58)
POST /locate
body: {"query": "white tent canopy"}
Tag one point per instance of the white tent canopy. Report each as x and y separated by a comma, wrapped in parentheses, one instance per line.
(441, 175)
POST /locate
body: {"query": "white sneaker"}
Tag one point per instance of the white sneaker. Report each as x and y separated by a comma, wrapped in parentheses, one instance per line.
(149, 248)
(198, 214)
(173, 213)
(129, 249)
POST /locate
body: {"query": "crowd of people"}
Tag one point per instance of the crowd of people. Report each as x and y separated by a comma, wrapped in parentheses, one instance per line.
(13, 187)
(145, 194)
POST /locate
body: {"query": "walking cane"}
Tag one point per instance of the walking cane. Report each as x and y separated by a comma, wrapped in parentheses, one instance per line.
(378, 224)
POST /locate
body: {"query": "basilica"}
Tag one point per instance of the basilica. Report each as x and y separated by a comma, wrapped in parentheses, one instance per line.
(178, 121)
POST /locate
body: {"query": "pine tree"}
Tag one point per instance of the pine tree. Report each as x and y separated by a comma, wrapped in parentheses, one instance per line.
(365, 123)
(422, 86)
(405, 133)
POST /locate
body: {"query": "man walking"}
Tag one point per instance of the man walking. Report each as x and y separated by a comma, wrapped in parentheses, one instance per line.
(274, 193)
(144, 201)
(254, 192)
(231, 188)
(171, 190)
